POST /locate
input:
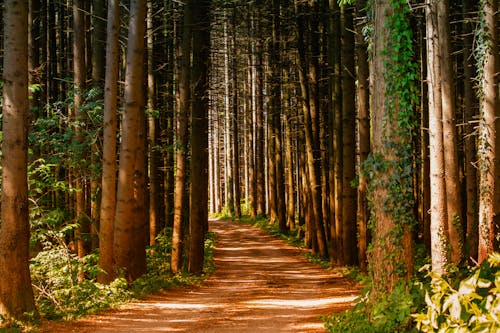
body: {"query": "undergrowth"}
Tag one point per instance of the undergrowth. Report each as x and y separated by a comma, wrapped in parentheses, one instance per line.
(62, 294)
(466, 300)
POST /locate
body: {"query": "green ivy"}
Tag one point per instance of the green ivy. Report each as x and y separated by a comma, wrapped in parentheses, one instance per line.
(401, 77)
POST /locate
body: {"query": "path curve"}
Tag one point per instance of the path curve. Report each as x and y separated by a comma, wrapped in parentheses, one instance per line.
(261, 284)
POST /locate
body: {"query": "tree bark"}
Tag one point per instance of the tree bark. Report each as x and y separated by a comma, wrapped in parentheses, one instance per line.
(348, 139)
(452, 182)
(183, 113)
(488, 138)
(108, 201)
(363, 108)
(124, 251)
(470, 145)
(153, 125)
(439, 213)
(198, 225)
(16, 293)
(82, 233)
(392, 256)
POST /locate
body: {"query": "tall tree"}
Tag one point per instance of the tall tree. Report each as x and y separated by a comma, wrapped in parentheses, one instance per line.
(80, 75)
(488, 133)
(183, 111)
(348, 137)
(234, 119)
(198, 223)
(362, 98)
(16, 293)
(439, 212)
(390, 165)
(452, 182)
(153, 126)
(108, 187)
(126, 225)
(470, 145)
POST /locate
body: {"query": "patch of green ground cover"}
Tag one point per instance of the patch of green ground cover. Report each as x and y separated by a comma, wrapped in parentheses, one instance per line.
(465, 300)
(61, 295)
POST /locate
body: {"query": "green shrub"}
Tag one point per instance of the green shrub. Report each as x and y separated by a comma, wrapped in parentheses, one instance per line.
(61, 294)
(390, 313)
(472, 306)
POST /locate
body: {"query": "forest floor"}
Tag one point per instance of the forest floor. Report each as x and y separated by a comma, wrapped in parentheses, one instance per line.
(261, 284)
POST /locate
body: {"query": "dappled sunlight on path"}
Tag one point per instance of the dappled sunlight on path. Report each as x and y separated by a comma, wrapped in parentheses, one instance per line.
(261, 284)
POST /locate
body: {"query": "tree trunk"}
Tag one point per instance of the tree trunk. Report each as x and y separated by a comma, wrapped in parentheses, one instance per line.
(452, 182)
(259, 106)
(183, 112)
(362, 96)
(488, 139)
(16, 293)
(348, 139)
(336, 213)
(234, 113)
(79, 69)
(108, 201)
(470, 146)
(199, 136)
(124, 251)
(439, 214)
(153, 125)
(390, 182)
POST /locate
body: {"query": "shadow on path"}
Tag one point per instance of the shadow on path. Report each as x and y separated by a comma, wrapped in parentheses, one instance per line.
(261, 284)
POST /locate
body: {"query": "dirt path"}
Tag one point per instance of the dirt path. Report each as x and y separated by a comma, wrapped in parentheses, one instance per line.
(261, 284)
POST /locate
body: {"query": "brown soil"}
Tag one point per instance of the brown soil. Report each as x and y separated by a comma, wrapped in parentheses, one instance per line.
(261, 284)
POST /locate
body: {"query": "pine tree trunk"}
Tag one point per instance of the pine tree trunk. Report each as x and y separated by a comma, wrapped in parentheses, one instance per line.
(235, 125)
(363, 108)
(108, 201)
(199, 136)
(392, 255)
(79, 68)
(153, 125)
(183, 113)
(488, 138)
(124, 251)
(348, 139)
(439, 214)
(470, 148)
(452, 182)
(16, 293)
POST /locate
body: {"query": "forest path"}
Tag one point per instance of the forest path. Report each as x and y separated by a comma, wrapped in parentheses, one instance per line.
(261, 284)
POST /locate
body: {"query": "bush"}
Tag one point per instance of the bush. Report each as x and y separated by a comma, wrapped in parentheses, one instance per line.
(472, 306)
(390, 313)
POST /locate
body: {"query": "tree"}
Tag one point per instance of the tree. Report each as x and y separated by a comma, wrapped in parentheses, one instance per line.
(488, 133)
(127, 225)
(452, 182)
(390, 166)
(108, 201)
(198, 223)
(363, 109)
(183, 111)
(348, 138)
(16, 293)
(439, 213)
(80, 77)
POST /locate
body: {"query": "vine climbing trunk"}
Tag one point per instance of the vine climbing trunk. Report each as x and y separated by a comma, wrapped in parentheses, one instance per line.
(390, 165)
